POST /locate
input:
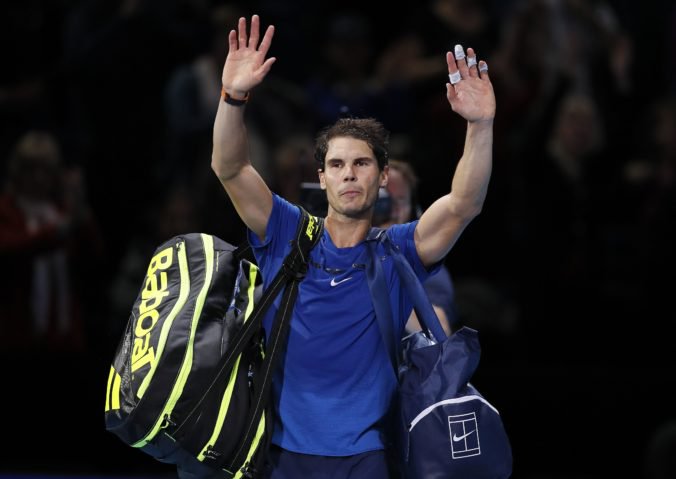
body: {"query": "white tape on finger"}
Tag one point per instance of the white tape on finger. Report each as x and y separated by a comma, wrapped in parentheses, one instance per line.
(459, 52)
(455, 77)
(471, 61)
(483, 67)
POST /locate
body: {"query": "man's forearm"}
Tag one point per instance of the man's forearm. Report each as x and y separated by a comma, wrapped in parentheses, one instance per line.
(470, 181)
(230, 149)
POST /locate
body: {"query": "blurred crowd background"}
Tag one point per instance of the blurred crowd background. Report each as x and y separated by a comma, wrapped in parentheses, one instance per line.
(106, 116)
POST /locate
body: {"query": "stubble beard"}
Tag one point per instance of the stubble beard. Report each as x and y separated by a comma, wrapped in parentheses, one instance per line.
(365, 210)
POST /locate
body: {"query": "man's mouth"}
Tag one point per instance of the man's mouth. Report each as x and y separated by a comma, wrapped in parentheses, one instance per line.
(350, 193)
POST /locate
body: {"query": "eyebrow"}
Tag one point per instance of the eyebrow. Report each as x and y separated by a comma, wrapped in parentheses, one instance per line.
(361, 158)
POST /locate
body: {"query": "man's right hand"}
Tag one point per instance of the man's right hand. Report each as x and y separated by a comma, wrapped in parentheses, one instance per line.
(246, 65)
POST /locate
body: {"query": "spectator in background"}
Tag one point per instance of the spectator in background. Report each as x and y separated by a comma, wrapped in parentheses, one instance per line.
(402, 186)
(648, 259)
(50, 248)
(569, 191)
(653, 174)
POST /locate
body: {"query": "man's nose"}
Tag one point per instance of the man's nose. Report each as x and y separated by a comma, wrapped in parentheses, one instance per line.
(348, 173)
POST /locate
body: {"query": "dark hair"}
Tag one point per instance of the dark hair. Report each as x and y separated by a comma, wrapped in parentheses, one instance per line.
(368, 129)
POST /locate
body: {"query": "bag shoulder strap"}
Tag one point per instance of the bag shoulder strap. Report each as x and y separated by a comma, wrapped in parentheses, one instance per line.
(292, 272)
(380, 296)
(309, 232)
(290, 275)
(421, 304)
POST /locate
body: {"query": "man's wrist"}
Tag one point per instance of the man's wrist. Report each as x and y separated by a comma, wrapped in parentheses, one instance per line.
(485, 123)
(234, 99)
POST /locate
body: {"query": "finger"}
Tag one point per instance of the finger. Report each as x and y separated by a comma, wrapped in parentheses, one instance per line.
(451, 94)
(255, 31)
(453, 73)
(483, 70)
(241, 29)
(461, 61)
(267, 40)
(232, 41)
(472, 63)
(265, 67)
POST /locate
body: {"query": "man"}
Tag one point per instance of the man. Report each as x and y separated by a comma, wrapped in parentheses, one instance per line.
(402, 187)
(337, 380)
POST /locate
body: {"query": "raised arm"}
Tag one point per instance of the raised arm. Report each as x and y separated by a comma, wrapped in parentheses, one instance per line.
(470, 95)
(245, 67)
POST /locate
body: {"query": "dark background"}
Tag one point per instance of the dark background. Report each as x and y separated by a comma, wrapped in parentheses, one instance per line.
(569, 281)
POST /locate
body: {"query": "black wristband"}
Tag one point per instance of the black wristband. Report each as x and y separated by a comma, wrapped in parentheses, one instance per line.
(234, 101)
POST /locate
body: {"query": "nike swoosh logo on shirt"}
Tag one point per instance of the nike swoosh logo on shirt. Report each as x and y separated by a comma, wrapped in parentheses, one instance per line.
(336, 283)
(457, 438)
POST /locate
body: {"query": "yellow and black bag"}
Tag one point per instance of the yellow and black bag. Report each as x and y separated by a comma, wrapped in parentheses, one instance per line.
(190, 380)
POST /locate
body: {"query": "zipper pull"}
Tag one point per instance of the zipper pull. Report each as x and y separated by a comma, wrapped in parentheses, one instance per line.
(210, 453)
(248, 472)
(166, 422)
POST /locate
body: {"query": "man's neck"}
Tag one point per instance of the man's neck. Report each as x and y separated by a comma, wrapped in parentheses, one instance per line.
(346, 232)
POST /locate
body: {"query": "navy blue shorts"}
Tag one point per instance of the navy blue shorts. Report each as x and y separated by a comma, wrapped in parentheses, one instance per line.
(284, 464)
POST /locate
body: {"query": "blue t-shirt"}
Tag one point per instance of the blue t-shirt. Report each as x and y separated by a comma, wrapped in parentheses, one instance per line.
(337, 377)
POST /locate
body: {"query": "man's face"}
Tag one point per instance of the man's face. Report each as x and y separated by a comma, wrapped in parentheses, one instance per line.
(351, 177)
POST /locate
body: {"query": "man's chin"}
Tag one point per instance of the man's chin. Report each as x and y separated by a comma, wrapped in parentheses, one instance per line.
(354, 210)
(358, 213)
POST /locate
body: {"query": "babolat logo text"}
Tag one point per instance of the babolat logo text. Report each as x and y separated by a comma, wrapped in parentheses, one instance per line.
(154, 291)
(311, 227)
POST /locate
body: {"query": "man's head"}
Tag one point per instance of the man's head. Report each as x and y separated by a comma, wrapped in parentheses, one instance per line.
(352, 155)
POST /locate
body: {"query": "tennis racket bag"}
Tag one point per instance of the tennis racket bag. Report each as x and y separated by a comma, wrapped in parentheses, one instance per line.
(189, 383)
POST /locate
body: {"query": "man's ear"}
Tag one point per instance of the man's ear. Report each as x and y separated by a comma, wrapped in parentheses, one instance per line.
(322, 183)
(384, 176)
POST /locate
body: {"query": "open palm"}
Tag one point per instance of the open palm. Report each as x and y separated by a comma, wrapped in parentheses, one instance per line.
(246, 65)
(472, 97)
